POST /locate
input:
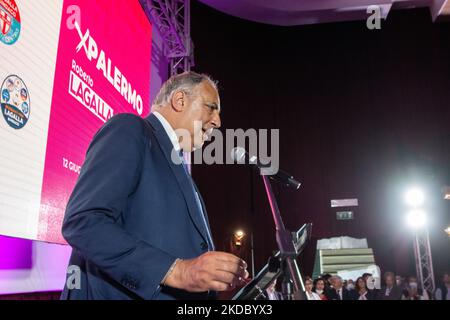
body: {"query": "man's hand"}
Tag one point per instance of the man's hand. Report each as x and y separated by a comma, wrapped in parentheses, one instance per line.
(217, 271)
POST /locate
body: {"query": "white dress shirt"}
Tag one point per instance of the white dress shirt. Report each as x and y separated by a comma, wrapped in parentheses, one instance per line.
(169, 130)
(338, 291)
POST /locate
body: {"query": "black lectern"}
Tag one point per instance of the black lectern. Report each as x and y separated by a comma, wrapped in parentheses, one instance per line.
(274, 268)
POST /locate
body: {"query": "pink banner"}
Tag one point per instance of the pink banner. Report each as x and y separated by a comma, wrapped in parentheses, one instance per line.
(103, 68)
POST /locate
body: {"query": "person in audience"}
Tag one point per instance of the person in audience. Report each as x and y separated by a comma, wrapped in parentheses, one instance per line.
(327, 278)
(443, 291)
(361, 291)
(350, 285)
(400, 282)
(310, 294)
(370, 284)
(413, 292)
(337, 291)
(271, 292)
(365, 276)
(319, 288)
(389, 291)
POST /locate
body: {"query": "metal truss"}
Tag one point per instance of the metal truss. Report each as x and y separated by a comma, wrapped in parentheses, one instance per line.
(424, 263)
(172, 18)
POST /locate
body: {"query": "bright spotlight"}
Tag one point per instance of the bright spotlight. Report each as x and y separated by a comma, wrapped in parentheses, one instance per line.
(416, 219)
(446, 192)
(239, 233)
(447, 231)
(414, 197)
(238, 236)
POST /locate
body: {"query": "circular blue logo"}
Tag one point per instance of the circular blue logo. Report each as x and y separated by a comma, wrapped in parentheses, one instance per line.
(15, 102)
(5, 95)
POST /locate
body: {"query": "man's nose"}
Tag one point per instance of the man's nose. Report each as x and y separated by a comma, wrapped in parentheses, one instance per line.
(216, 120)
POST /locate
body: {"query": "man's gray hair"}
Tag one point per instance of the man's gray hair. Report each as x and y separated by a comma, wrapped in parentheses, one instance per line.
(336, 277)
(186, 82)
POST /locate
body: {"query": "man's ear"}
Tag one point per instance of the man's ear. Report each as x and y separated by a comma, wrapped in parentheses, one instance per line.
(178, 101)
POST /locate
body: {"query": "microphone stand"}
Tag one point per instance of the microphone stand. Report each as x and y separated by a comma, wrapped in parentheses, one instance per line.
(286, 246)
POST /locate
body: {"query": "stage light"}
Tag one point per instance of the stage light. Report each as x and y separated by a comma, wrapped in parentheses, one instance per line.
(414, 197)
(416, 219)
(446, 192)
(238, 236)
(447, 231)
(239, 233)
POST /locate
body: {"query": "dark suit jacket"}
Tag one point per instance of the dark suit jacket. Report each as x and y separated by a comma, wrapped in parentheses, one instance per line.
(131, 214)
(394, 294)
(371, 295)
(332, 294)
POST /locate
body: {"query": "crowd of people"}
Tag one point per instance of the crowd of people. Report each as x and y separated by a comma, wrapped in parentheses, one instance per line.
(328, 287)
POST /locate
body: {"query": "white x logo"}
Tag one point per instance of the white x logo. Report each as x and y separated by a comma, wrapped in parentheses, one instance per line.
(83, 39)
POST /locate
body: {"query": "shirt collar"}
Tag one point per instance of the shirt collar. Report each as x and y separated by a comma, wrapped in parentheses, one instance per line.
(169, 130)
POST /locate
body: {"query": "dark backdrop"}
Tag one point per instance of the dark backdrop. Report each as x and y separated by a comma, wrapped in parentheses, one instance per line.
(362, 114)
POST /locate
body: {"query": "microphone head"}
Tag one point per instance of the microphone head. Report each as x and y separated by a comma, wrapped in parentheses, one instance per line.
(238, 155)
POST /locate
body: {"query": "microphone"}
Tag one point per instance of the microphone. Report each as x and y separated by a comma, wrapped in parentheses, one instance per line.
(239, 155)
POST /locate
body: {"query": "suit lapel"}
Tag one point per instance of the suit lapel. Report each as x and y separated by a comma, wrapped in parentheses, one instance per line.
(204, 212)
(180, 175)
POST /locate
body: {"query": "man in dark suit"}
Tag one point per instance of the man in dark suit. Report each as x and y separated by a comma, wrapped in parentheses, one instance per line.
(337, 291)
(390, 291)
(135, 220)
